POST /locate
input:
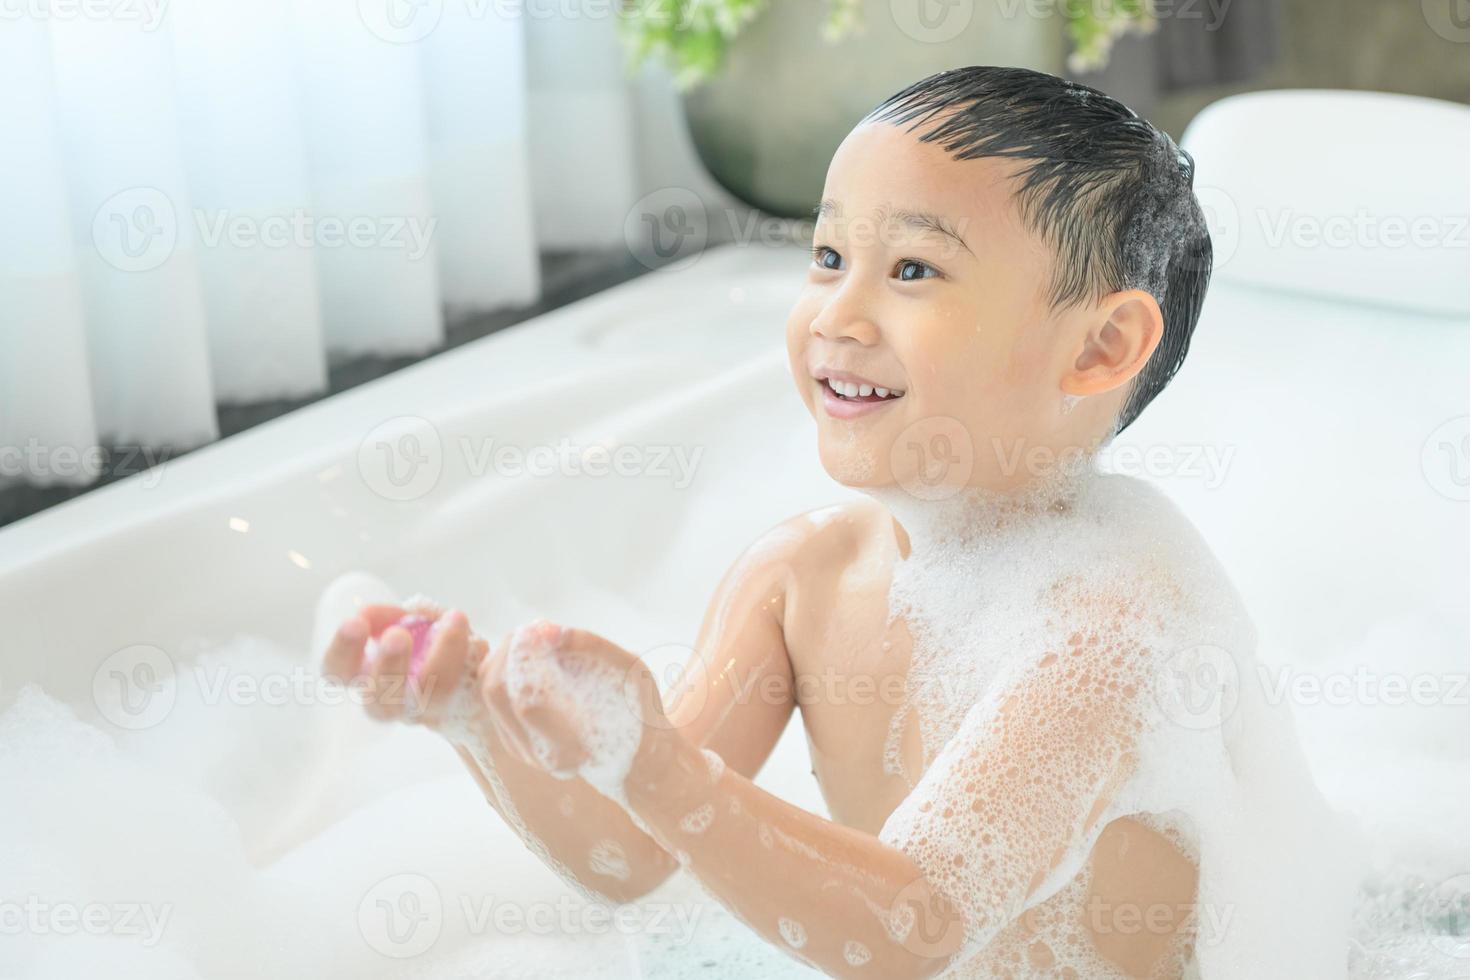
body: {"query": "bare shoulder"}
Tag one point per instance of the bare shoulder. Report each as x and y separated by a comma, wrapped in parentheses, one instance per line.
(790, 573)
(809, 553)
(811, 541)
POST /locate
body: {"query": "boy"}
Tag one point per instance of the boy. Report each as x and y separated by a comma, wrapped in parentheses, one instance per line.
(1007, 268)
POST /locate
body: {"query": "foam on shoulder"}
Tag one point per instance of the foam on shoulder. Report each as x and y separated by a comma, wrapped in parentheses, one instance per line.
(1049, 634)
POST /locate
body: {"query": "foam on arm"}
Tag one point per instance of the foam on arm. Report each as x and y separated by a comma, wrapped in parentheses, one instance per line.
(1009, 810)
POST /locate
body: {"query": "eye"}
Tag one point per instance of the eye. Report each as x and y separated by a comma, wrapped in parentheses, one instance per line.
(908, 270)
(825, 258)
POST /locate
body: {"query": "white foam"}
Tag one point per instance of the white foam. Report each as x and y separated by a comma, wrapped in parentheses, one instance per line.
(1081, 601)
(264, 826)
(855, 953)
(792, 931)
(602, 698)
(698, 820)
(715, 763)
(607, 858)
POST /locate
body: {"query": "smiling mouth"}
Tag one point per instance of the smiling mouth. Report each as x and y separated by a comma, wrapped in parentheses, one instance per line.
(852, 391)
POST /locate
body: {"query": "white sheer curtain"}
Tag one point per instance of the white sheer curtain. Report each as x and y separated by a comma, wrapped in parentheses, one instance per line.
(204, 200)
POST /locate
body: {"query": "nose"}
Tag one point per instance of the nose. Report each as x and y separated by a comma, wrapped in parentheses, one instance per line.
(846, 315)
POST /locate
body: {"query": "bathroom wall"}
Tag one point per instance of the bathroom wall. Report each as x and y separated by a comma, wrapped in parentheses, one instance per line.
(1420, 47)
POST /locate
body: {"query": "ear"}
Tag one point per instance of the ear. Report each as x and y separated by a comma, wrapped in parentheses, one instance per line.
(1122, 333)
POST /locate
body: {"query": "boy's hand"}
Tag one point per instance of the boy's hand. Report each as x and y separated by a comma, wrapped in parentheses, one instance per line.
(572, 703)
(391, 690)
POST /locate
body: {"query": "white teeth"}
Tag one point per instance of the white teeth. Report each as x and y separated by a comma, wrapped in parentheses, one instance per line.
(850, 390)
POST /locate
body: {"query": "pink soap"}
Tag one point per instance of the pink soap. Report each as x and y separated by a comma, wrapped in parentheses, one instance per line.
(421, 630)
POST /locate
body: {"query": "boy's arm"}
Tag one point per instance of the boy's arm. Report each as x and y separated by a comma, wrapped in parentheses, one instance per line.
(1017, 792)
(735, 695)
(839, 899)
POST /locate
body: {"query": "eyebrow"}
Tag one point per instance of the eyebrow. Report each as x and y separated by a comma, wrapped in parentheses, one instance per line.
(922, 220)
(927, 221)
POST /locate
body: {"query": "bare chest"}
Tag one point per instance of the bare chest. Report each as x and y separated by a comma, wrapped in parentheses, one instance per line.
(851, 674)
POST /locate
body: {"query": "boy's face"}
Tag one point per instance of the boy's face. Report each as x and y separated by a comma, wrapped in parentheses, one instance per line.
(925, 282)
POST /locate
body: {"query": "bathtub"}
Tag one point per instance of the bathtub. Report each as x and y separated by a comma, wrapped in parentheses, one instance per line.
(174, 756)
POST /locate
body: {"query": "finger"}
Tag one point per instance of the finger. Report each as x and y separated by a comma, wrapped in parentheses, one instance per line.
(542, 708)
(552, 722)
(497, 704)
(380, 616)
(444, 663)
(343, 658)
(390, 674)
(486, 679)
(479, 650)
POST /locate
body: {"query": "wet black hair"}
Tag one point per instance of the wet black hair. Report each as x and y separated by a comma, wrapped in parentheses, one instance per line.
(1111, 194)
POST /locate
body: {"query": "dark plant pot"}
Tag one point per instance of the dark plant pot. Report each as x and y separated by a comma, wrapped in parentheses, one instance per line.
(767, 124)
